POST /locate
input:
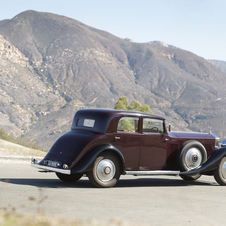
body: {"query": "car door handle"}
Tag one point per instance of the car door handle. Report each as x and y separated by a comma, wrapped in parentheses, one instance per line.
(166, 139)
(117, 138)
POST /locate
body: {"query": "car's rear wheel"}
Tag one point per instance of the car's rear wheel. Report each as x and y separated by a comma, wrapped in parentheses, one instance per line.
(190, 178)
(69, 178)
(191, 155)
(220, 172)
(106, 171)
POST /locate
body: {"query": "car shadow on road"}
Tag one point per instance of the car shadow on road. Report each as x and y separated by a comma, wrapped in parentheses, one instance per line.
(47, 183)
(161, 182)
(84, 182)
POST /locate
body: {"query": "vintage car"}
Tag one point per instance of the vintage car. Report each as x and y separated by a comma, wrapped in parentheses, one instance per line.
(104, 144)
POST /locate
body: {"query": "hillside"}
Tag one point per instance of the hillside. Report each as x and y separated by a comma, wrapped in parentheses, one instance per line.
(11, 150)
(52, 65)
(219, 64)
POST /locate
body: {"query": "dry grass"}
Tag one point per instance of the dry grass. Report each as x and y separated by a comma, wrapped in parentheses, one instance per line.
(19, 140)
(13, 218)
(8, 149)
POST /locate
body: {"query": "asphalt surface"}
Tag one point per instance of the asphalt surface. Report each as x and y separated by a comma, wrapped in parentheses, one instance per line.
(162, 200)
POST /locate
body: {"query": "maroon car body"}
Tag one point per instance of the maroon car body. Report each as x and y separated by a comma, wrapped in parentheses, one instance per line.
(104, 144)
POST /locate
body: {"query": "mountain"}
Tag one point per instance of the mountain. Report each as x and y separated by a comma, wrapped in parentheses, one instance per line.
(52, 65)
(161, 44)
(219, 64)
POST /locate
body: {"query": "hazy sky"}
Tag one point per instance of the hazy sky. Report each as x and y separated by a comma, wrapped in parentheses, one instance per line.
(193, 25)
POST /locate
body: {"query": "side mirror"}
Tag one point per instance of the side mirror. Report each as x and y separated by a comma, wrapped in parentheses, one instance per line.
(223, 144)
(170, 129)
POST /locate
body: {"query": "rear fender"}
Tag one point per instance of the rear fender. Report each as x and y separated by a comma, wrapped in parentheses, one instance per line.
(86, 163)
(210, 165)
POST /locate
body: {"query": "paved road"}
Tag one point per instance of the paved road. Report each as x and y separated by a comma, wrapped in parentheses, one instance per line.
(148, 200)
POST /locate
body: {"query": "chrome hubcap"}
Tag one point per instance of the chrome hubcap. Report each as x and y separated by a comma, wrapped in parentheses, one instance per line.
(193, 158)
(224, 170)
(105, 170)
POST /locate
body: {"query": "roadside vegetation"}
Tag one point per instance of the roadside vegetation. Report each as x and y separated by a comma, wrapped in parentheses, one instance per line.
(19, 140)
(13, 218)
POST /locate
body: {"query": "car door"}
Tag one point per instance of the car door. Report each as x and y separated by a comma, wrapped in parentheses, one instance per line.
(154, 145)
(128, 141)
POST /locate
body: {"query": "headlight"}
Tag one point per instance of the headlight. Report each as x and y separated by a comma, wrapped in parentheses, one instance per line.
(217, 140)
(33, 160)
(223, 144)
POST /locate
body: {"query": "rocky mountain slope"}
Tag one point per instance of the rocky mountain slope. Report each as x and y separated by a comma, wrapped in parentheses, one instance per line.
(51, 66)
(219, 64)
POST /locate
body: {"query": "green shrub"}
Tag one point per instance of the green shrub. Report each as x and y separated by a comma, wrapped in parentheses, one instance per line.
(5, 136)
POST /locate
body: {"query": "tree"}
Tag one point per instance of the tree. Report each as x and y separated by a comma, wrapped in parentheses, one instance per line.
(146, 108)
(121, 104)
(135, 105)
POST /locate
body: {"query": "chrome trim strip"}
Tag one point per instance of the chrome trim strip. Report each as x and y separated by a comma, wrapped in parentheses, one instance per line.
(51, 169)
(153, 172)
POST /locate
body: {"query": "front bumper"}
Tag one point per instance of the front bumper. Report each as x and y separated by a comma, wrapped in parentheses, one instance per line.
(34, 163)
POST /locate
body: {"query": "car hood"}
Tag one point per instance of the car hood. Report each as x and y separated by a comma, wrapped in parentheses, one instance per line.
(190, 135)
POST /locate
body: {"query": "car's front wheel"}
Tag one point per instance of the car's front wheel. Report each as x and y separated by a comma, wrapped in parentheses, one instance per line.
(220, 172)
(69, 178)
(106, 171)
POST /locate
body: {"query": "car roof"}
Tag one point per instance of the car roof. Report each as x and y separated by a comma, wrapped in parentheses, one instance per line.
(119, 112)
(103, 117)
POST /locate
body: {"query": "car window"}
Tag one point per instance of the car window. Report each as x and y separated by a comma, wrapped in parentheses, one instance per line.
(128, 124)
(153, 125)
(85, 122)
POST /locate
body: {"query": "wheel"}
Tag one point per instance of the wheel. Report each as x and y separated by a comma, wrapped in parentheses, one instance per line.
(190, 178)
(191, 155)
(220, 172)
(69, 178)
(106, 171)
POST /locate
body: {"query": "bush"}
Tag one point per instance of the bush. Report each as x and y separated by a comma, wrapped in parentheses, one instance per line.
(5, 136)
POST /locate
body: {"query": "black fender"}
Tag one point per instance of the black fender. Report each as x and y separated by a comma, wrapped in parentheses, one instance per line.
(210, 165)
(86, 163)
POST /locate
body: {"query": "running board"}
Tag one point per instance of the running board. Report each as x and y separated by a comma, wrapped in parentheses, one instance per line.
(153, 172)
